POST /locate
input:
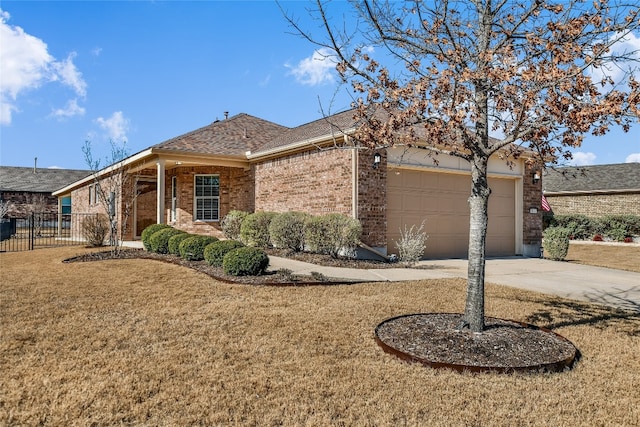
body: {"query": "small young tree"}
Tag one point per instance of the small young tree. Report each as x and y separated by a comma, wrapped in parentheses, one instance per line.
(115, 188)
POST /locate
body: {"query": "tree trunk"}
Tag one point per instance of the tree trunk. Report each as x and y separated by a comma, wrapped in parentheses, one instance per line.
(478, 204)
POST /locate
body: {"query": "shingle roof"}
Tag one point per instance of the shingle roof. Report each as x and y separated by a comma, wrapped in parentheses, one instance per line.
(616, 177)
(14, 178)
(335, 124)
(230, 137)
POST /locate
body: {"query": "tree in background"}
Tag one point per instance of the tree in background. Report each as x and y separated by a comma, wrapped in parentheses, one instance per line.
(481, 78)
(114, 188)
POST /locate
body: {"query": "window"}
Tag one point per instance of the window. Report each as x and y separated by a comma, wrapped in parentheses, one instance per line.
(207, 198)
(94, 194)
(66, 205)
(174, 198)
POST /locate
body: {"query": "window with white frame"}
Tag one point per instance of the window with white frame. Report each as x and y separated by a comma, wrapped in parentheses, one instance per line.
(206, 198)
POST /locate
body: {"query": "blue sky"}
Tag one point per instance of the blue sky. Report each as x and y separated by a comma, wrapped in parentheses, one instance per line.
(145, 72)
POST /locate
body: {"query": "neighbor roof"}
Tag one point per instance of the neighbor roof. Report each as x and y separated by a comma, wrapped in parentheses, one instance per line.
(598, 178)
(38, 180)
(230, 137)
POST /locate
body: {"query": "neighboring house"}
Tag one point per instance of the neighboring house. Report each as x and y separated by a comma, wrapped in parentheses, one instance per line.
(30, 190)
(247, 163)
(594, 190)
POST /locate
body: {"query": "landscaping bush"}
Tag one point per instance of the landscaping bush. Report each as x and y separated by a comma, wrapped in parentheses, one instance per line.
(159, 241)
(411, 244)
(192, 248)
(245, 261)
(332, 234)
(148, 232)
(617, 227)
(579, 226)
(95, 229)
(173, 245)
(254, 230)
(286, 230)
(214, 252)
(231, 224)
(556, 243)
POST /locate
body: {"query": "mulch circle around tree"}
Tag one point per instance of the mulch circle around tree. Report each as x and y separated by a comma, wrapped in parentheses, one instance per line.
(434, 340)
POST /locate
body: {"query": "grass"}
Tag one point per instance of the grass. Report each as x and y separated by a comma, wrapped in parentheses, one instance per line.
(148, 343)
(619, 257)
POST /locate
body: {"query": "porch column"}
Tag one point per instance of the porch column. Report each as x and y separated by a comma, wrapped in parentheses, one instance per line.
(160, 192)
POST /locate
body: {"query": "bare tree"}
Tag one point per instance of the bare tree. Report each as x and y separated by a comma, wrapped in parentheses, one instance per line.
(37, 204)
(482, 78)
(114, 189)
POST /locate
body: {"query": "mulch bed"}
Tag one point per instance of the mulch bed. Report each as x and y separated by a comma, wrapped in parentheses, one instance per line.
(435, 340)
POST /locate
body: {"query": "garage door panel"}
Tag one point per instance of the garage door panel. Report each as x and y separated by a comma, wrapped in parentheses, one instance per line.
(442, 199)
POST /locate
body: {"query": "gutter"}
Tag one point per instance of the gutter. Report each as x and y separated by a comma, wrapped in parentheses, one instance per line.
(297, 145)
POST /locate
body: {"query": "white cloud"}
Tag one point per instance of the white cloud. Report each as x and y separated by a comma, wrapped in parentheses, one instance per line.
(316, 69)
(67, 72)
(629, 45)
(71, 109)
(633, 158)
(25, 64)
(116, 126)
(582, 159)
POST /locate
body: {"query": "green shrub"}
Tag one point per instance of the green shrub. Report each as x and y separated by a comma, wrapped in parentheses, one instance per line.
(332, 234)
(159, 241)
(286, 230)
(231, 224)
(214, 252)
(192, 248)
(173, 245)
(148, 232)
(556, 243)
(579, 226)
(94, 229)
(245, 261)
(617, 227)
(254, 230)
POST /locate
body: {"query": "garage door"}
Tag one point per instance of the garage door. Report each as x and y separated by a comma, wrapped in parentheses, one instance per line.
(441, 200)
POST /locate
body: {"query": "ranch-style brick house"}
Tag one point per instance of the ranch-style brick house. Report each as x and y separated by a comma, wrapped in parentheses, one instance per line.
(246, 163)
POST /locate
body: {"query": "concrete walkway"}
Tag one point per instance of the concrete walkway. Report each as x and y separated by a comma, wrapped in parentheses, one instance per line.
(615, 288)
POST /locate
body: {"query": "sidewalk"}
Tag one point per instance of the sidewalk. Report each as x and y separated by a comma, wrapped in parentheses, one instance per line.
(615, 288)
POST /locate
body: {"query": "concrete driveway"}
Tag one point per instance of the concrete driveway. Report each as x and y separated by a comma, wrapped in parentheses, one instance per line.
(615, 288)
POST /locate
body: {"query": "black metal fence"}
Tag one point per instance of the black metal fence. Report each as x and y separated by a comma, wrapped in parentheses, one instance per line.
(41, 230)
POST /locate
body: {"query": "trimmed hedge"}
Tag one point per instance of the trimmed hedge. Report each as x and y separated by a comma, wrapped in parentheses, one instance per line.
(214, 252)
(231, 224)
(245, 261)
(332, 234)
(149, 231)
(254, 230)
(556, 243)
(192, 248)
(173, 245)
(286, 230)
(159, 241)
(614, 227)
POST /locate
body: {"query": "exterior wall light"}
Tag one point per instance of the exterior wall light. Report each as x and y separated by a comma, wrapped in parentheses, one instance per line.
(377, 158)
(536, 177)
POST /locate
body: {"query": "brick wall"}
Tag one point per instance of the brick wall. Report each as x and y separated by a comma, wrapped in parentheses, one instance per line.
(316, 182)
(21, 204)
(596, 205)
(236, 193)
(532, 198)
(320, 182)
(372, 199)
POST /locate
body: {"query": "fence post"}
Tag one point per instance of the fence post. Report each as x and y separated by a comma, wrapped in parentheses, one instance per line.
(32, 230)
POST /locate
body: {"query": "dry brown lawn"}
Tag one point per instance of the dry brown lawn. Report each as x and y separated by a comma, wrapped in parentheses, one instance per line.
(141, 342)
(620, 257)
